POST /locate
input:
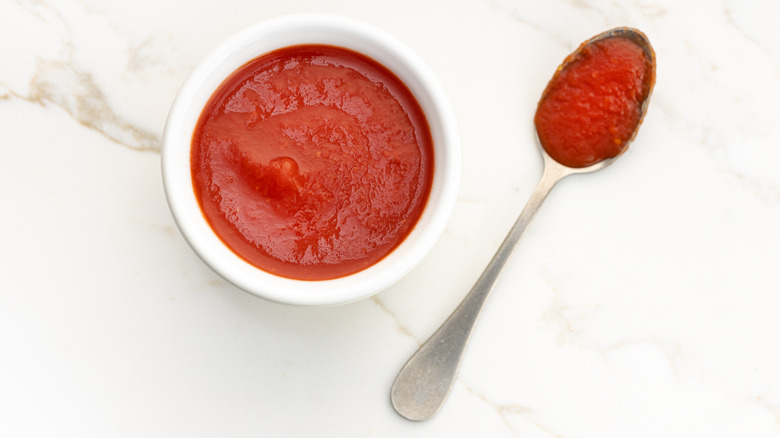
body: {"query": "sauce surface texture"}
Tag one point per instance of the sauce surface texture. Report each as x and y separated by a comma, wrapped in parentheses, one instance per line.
(312, 162)
(592, 106)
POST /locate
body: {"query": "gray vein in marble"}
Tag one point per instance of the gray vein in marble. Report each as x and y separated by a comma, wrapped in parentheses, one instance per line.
(580, 4)
(702, 135)
(37, 8)
(616, 13)
(512, 13)
(729, 16)
(713, 138)
(650, 9)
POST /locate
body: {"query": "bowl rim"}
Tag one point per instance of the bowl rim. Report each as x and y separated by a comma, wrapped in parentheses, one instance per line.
(270, 35)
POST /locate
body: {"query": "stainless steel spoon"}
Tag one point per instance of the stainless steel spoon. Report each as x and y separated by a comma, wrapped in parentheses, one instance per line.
(426, 380)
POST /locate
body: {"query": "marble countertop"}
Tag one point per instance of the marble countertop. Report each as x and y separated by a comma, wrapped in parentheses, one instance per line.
(642, 301)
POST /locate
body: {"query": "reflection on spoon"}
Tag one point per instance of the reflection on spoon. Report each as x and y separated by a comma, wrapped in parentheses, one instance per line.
(588, 114)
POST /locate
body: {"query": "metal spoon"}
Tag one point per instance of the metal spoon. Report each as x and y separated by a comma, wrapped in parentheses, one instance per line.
(424, 383)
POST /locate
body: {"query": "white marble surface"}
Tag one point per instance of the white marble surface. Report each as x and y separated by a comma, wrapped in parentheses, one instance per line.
(643, 301)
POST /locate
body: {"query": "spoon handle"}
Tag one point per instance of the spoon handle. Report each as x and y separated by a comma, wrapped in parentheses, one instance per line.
(424, 383)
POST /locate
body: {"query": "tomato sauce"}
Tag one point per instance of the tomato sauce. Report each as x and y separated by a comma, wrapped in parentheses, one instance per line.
(593, 105)
(312, 162)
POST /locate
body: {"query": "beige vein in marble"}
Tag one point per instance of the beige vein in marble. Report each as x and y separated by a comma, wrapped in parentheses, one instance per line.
(565, 319)
(508, 410)
(76, 93)
(86, 104)
(568, 322)
(60, 83)
(765, 404)
(670, 350)
(399, 326)
(504, 411)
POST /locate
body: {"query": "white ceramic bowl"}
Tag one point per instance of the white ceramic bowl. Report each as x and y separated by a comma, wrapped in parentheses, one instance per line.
(289, 31)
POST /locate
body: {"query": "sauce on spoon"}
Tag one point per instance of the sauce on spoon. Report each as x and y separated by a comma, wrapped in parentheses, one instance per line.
(592, 107)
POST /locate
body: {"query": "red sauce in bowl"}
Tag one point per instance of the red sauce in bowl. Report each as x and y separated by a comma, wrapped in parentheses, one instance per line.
(592, 106)
(312, 162)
